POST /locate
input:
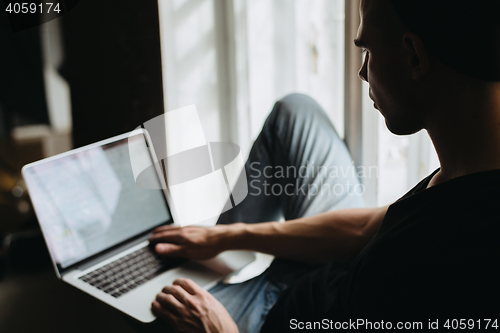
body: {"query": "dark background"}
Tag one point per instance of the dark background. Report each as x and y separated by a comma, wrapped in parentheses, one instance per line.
(112, 64)
(113, 67)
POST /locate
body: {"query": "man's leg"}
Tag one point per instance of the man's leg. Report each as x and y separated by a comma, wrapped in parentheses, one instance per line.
(298, 166)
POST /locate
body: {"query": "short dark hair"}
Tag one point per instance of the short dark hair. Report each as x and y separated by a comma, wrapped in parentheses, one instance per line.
(463, 34)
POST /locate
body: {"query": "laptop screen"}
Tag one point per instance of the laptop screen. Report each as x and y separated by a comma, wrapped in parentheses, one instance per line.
(88, 201)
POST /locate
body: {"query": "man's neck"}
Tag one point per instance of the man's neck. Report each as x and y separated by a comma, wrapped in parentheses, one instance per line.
(466, 135)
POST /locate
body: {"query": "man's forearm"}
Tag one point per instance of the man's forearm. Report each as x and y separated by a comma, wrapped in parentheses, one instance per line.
(338, 235)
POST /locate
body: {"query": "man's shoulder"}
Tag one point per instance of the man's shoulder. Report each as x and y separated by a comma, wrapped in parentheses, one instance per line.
(464, 199)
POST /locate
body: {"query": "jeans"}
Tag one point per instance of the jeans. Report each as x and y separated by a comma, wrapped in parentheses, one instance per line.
(297, 167)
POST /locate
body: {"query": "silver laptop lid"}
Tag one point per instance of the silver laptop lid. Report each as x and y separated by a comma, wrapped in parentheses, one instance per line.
(87, 201)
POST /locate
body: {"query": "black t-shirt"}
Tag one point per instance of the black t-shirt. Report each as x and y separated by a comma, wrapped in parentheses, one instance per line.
(436, 256)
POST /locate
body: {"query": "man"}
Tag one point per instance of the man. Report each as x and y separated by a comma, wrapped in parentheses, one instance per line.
(429, 256)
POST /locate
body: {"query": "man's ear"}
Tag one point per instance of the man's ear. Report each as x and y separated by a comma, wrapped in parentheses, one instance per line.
(418, 56)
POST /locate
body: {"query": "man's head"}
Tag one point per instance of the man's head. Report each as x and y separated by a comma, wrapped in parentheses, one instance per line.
(417, 51)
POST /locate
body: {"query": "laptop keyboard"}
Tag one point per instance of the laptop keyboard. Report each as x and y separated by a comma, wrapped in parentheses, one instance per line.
(129, 272)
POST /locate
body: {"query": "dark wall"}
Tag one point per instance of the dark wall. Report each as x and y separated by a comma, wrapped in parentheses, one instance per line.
(113, 66)
(22, 92)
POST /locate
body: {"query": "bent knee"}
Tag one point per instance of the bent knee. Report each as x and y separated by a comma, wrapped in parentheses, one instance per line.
(297, 102)
(298, 107)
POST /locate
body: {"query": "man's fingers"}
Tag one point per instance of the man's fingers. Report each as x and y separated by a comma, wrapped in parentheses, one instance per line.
(166, 249)
(169, 302)
(167, 236)
(176, 291)
(188, 285)
(162, 312)
(165, 228)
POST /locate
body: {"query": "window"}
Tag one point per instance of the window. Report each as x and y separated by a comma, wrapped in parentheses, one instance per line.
(295, 46)
(235, 58)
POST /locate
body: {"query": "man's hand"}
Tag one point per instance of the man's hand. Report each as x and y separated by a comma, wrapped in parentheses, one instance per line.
(189, 242)
(188, 308)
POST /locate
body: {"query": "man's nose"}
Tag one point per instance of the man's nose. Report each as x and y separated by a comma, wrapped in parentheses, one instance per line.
(363, 71)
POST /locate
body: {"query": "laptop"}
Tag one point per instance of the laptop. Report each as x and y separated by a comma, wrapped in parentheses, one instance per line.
(96, 223)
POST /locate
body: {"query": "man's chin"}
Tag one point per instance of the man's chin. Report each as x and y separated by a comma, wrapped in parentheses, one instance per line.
(400, 128)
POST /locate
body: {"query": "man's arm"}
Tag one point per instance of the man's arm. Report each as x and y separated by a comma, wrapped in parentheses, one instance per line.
(333, 235)
(337, 235)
